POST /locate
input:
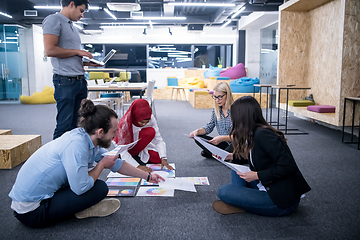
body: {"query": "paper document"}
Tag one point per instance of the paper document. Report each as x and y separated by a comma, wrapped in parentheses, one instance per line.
(155, 192)
(213, 149)
(222, 155)
(157, 167)
(237, 167)
(179, 184)
(120, 149)
(116, 175)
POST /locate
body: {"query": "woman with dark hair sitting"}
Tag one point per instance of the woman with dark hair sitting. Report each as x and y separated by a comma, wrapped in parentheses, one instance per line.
(275, 184)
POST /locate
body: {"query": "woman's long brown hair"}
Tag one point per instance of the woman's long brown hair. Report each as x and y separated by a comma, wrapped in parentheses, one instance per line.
(246, 116)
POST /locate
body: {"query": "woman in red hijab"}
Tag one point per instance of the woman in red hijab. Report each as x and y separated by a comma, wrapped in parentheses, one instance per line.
(139, 123)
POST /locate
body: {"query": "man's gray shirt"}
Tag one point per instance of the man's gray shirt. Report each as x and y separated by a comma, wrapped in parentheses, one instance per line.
(59, 25)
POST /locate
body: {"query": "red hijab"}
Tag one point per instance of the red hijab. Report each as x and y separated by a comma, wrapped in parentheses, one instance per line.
(138, 111)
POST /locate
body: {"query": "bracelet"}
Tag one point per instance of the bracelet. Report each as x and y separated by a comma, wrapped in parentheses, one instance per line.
(148, 178)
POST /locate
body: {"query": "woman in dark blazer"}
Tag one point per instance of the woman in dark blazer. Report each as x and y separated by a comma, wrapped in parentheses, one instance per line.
(275, 184)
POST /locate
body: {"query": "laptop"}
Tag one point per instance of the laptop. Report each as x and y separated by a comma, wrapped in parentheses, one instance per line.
(106, 58)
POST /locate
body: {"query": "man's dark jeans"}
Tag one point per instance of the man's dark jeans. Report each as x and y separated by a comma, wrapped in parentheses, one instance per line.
(69, 92)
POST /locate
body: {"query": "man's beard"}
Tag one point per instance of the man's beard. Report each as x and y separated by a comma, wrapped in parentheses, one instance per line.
(104, 144)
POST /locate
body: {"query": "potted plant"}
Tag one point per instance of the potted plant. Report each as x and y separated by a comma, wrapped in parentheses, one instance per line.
(220, 62)
(203, 63)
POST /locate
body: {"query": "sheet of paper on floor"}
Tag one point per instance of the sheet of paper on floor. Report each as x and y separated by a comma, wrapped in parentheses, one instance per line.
(197, 180)
(154, 191)
(179, 184)
(146, 183)
(157, 167)
(123, 181)
(166, 173)
(116, 175)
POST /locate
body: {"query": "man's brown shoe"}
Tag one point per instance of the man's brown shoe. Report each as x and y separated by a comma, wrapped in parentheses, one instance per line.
(225, 208)
(102, 209)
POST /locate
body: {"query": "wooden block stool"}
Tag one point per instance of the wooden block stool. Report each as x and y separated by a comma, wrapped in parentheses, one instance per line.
(177, 92)
(5, 132)
(15, 149)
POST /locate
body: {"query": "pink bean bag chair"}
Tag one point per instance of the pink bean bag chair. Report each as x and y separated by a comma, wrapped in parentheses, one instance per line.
(235, 72)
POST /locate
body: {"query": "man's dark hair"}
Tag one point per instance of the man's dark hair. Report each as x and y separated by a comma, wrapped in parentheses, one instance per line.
(95, 117)
(65, 3)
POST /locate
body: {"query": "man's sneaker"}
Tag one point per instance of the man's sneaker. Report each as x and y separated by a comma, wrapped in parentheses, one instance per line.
(104, 208)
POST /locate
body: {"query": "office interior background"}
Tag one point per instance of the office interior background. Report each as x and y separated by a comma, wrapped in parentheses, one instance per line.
(240, 31)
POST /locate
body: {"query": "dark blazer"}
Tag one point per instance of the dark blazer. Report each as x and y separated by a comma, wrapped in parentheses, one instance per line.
(277, 169)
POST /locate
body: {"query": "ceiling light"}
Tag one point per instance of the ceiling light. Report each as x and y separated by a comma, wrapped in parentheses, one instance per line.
(225, 24)
(5, 14)
(121, 26)
(237, 13)
(159, 18)
(202, 4)
(59, 7)
(124, 23)
(47, 7)
(110, 14)
(124, 7)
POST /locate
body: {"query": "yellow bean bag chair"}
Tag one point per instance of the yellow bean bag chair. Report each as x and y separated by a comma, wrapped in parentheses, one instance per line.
(44, 97)
(192, 82)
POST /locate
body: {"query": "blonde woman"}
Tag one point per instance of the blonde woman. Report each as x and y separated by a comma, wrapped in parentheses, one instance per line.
(220, 118)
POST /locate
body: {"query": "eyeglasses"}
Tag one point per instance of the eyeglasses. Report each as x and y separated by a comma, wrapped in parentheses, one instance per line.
(220, 97)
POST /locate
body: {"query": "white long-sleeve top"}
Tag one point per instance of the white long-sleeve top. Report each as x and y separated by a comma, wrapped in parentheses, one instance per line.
(157, 144)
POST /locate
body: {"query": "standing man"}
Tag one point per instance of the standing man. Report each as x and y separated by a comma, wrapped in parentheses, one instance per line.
(63, 44)
(55, 183)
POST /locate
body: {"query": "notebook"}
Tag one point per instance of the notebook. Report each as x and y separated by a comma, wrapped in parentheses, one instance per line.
(106, 58)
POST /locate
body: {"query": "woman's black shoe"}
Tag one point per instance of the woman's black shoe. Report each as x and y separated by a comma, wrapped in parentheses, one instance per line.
(205, 154)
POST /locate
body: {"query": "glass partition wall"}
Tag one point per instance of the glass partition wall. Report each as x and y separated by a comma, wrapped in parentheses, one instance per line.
(268, 57)
(13, 68)
(163, 55)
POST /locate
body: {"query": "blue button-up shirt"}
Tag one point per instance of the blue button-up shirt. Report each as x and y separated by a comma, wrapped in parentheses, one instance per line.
(61, 162)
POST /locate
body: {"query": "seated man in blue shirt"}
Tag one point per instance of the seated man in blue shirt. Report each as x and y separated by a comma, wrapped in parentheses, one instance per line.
(55, 184)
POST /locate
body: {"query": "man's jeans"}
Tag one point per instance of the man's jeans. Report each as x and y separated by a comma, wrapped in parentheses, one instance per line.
(248, 197)
(69, 92)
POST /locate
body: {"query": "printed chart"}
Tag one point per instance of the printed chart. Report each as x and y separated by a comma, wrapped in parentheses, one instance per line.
(121, 191)
(123, 181)
(155, 192)
(197, 180)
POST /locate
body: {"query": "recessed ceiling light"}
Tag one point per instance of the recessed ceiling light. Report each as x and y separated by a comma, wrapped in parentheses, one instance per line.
(205, 4)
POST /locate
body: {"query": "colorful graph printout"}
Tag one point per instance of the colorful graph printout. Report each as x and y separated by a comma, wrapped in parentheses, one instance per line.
(155, 192)
(198, 180)
(166, 173)
(146, 183)
(121, 191)
(157, 167)
(116, 174)
(123, 182)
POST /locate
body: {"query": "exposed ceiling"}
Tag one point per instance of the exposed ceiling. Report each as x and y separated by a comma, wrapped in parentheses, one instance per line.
(196, 17)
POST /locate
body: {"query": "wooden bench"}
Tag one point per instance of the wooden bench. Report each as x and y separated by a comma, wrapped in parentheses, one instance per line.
(5, 132)
(15, 149)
